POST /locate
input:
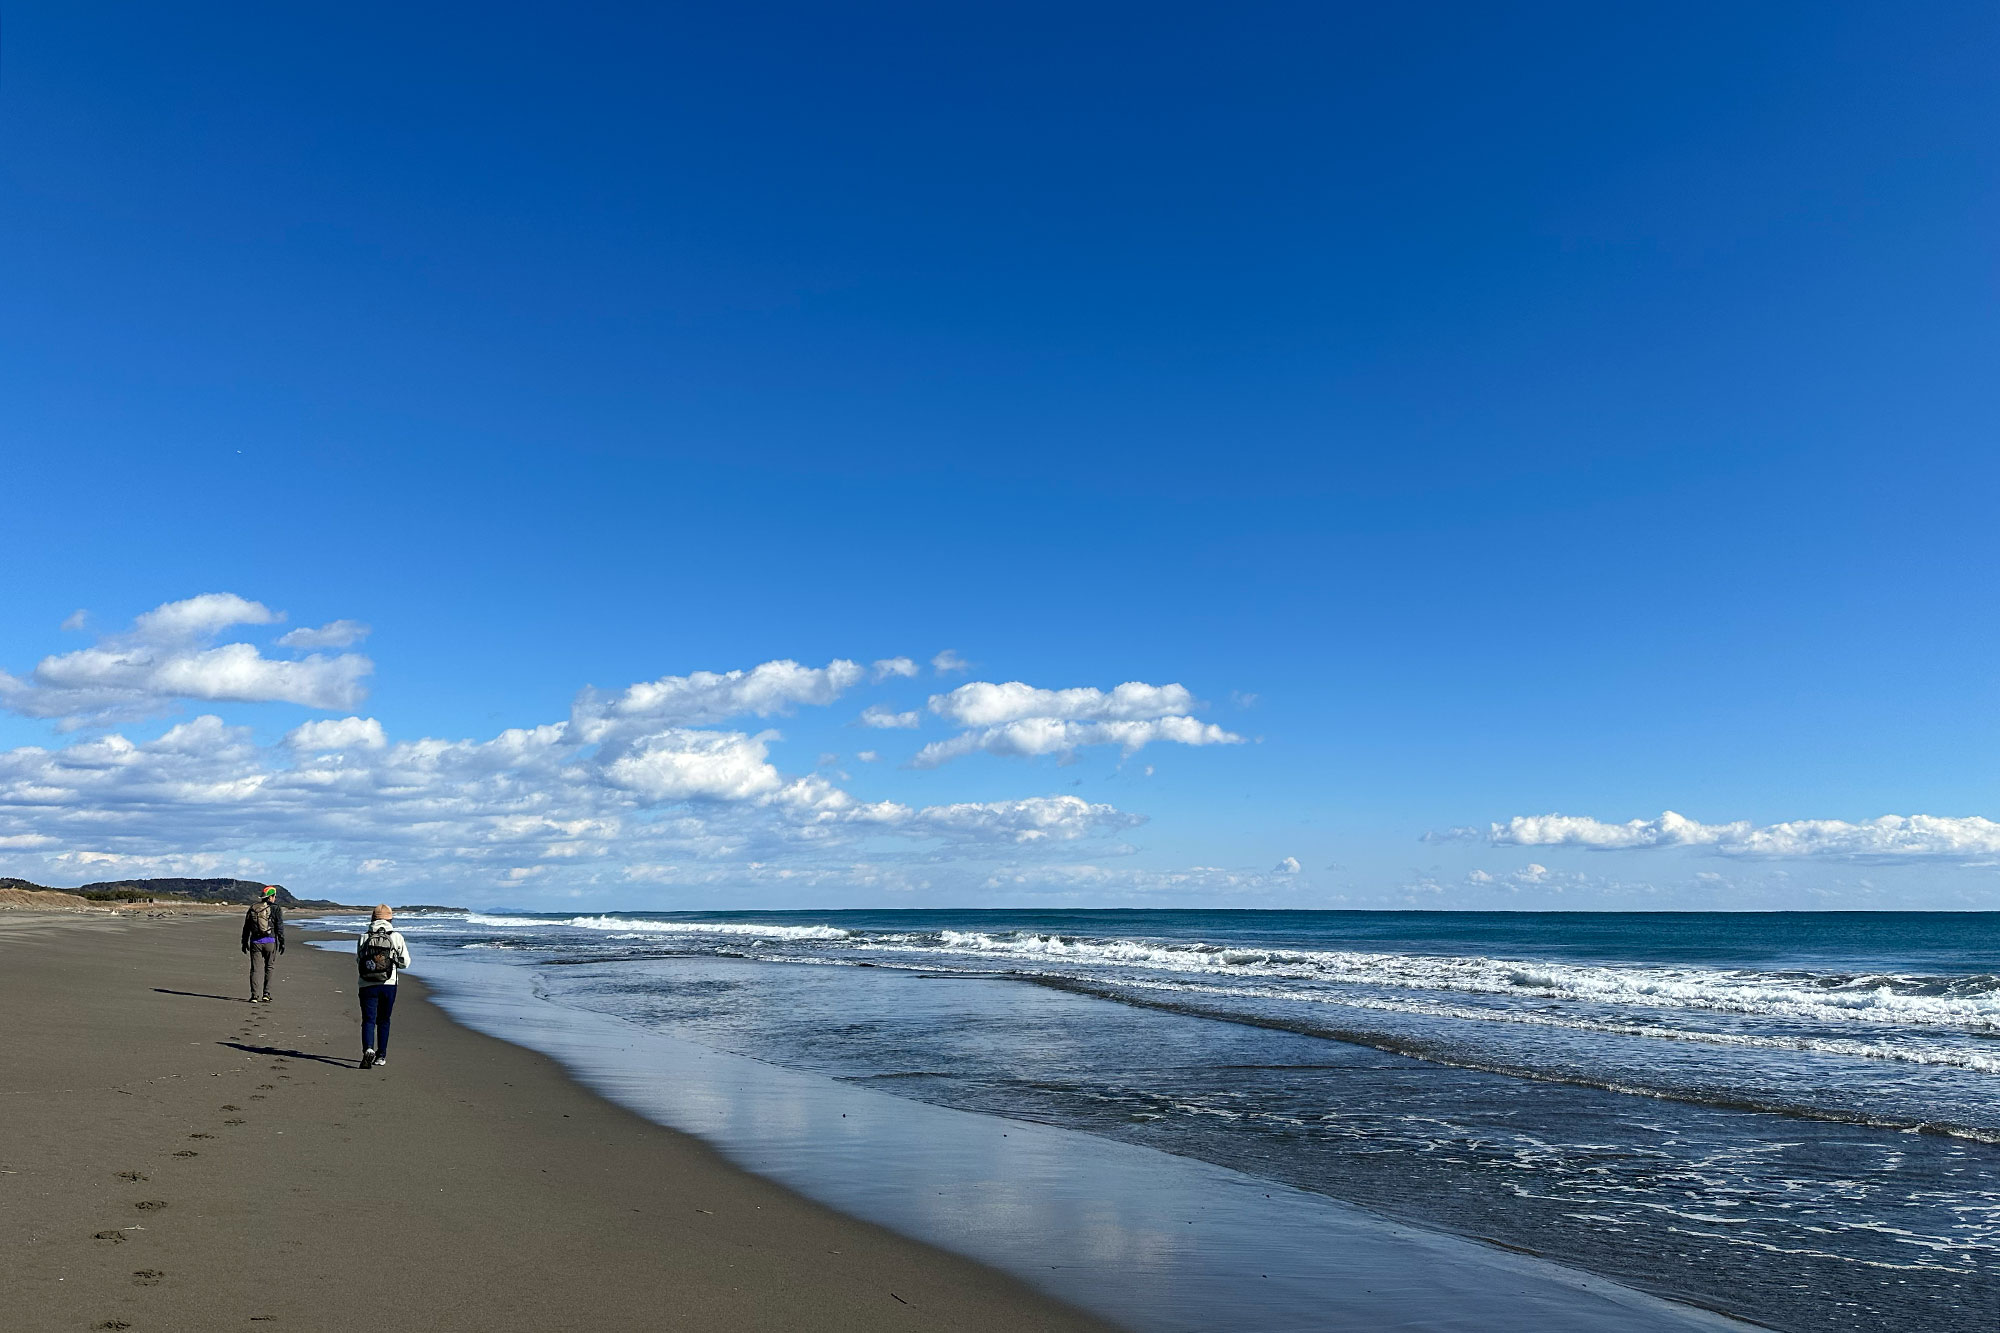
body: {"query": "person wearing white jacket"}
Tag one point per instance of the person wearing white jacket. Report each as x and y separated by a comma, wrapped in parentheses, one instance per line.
(381, 955)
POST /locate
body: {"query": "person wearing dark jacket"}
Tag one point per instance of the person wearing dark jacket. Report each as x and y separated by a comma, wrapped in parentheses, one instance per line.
(263, 940)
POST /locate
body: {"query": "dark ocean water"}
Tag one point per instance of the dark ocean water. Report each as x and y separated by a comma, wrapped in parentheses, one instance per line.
(1791, 1117)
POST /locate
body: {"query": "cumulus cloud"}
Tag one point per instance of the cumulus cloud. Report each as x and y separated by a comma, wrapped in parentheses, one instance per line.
(75, 620)
(1041, 736)
(947, 662)
(678, 764)
(894, 666)
(200, 617)
(712, 696)
(347, 733)
(879, 715)
(333, 634)
(1035, 819)
(1286, 866)
(1014, 718)
(1889, 837)
(986, 704)
(163, 658)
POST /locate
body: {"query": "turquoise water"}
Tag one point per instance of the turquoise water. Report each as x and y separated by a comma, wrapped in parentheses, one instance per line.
(1793, 1117)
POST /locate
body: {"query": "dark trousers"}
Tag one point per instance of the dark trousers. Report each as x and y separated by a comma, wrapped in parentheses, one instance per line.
(263, 956)
(377, 1003)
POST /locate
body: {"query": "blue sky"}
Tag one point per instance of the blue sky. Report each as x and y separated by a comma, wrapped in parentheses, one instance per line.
(1479, 414)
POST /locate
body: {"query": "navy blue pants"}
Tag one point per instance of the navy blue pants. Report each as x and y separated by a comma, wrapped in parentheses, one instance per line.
(377, 1003)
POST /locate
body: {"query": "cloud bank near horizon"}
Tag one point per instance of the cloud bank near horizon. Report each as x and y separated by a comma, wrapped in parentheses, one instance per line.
(658, 782)
(1886, 838)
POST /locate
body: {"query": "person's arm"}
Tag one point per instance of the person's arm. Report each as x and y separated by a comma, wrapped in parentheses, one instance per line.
(402, 951)
(246, 932)
(278, 925)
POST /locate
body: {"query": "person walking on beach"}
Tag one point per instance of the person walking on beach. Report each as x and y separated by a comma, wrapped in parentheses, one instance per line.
(381, 954)
(263, 940)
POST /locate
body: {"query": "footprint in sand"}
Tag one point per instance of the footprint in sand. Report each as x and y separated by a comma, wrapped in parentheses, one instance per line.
(133, 1176)
(256, 1096)
(201, 1136)
(146, 1277)
(235, 1122)
(112, 1324)
(115, 1237)
(150, 1205)
(187, 1152)
(228, 1108)
(267, 1085)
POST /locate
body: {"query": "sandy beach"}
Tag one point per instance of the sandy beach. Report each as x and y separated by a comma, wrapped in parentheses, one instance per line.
(175, 1158)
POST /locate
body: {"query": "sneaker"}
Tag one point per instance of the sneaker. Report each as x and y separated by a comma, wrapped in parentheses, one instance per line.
(368, 1058)
(381, 1060)
(264, 999)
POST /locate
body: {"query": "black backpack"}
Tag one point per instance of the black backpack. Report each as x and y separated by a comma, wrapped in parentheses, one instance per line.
(377, 956)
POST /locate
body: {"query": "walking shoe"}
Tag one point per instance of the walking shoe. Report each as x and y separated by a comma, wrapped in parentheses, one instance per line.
(368, 1058)
(381, 1060)
(265, 1000)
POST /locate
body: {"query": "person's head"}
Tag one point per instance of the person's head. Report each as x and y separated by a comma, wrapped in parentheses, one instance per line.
(382, 912)
(270, 890)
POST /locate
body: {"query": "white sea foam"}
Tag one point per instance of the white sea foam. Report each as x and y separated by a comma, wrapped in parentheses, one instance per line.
(1900, 1051)
(1971, 1003)
(727, 929)
(639, 926)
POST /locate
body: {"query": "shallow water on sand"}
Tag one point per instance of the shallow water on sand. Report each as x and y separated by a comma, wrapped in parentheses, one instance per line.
(1791, 1118)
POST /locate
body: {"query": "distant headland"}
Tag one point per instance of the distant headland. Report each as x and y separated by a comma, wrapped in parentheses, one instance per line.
(116, 892)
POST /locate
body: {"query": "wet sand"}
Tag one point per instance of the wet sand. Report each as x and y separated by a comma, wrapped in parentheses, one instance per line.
(174, 1158)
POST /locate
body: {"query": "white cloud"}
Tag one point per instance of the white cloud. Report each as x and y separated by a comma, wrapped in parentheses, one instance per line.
(200, 617)
(678, 765)
(1014, 718)
(867, 756)
(711, 696)
(986, 704)
(894, 666)
(1035, 819)
(947, 662)
(333, 634)
(347, 733)
(75, 620)
(162, 659)
(1041, 736)
(636, 785)
(879, 715)
(1890, 837)
(1287, 866)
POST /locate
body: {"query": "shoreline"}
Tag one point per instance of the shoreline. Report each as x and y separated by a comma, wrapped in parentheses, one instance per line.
(177, 1159)
(1154, 1241)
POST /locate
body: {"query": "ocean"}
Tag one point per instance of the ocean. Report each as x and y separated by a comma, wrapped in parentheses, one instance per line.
(1793, 1118)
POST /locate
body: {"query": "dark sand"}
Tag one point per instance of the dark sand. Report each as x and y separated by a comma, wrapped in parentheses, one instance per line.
(174, 1158)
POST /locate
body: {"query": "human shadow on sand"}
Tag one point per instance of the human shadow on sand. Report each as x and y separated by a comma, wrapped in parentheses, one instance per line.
(198, 995)
(289, 1054)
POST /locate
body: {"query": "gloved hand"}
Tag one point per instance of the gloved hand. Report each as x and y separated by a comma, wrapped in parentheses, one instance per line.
(281, 948)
